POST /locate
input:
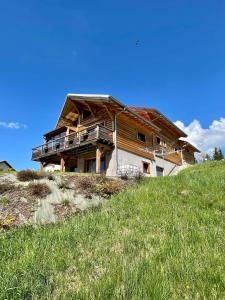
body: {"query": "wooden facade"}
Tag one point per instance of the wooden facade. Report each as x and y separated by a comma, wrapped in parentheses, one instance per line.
(92, 128)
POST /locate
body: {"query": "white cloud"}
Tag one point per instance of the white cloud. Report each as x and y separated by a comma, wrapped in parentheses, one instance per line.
(12, 125)
(206, 139)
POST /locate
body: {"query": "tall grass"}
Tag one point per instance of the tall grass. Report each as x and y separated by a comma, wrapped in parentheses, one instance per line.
(162, 240)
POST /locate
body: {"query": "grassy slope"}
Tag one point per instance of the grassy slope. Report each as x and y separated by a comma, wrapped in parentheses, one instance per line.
(163, 240)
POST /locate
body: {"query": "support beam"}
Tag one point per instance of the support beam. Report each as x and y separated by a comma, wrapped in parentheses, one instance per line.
(62, 164)
(98, 160)
(41, 167)
(108, 111)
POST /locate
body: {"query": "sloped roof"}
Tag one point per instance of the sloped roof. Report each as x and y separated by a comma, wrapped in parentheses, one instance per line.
(101, 99)
(153, 114)
(5, 161)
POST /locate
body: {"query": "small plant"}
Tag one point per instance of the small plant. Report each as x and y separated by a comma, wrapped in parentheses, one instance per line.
(51, 177)
(66, 202)
(29, 175)
(4, 201)
(124, 176)
(40, 190)
(63, 185)
(5, 187)
(6, 221)
(86, 183)
(108, 187)
(139, 176)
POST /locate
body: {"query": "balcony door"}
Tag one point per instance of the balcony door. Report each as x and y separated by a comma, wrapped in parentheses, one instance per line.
(91, 165)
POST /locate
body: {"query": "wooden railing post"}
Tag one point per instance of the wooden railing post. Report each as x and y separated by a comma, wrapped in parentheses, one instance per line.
(97, 131)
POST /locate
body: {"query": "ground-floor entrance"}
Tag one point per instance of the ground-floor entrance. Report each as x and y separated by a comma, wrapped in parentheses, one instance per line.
(91, 165)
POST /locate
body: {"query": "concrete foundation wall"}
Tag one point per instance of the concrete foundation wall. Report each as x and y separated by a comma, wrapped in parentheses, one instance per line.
(128, 158)
(169, 167)
(111, 163)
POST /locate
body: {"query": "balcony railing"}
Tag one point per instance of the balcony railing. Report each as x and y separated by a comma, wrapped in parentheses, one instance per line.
(88, 135)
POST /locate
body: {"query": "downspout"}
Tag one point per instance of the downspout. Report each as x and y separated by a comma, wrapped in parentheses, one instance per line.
(115, 136)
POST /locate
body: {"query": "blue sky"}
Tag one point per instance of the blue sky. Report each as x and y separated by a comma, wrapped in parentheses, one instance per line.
(51, 48)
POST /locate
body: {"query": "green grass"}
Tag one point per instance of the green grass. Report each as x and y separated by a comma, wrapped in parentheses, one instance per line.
(162, 240)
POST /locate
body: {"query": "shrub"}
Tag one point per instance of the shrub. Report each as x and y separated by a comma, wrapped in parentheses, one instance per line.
(124, 176)
(5, 187)
(51, 177)
(40, 190)
(86, 183)
(63, 185)
(4, 201)
(65, 202)
(108, 187)
(6, 221)
(28, 175)
(139, 176)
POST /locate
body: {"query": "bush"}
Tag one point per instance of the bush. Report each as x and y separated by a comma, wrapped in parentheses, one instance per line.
(51, 177)
(65, 202)
(40, 190)
(63, 185)
(6, 221)
(139, 176)
(4, 201)
(29, 175)
(86, 183)
(108, 188)
(5, 187)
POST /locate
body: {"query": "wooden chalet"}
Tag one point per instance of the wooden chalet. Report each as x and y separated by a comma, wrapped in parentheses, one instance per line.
(99, 134)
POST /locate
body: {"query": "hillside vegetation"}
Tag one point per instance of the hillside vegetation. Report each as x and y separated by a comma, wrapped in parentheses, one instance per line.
(161, 240)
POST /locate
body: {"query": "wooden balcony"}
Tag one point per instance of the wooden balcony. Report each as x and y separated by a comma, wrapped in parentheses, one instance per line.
(90, 135)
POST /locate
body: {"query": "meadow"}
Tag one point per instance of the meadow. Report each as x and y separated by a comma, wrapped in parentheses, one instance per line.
(162, 239)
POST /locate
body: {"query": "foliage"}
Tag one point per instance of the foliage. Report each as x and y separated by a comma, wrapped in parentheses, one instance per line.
(51, 177)
(218, 154)
(162, 239)
(6, 222)
(5, 187)
(29, 175)
(107, 188)
(4, 200)
(63, 184)
(40, 190)
(65, 202)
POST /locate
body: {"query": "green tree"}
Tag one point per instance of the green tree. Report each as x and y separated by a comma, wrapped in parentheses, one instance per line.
(215, 154)
(218, 154)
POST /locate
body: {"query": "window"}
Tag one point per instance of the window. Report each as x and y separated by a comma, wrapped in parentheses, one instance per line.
(86, 114)
(161, 142)
(159, 171)
(146, 168)
(141, 137)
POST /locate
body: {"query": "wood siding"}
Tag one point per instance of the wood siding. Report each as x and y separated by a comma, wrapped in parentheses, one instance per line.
(126, 137)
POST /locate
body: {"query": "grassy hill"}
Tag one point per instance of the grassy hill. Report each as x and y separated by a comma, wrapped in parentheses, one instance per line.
(162, 240)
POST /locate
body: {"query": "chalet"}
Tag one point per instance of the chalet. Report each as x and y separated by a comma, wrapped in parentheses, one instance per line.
(5, 166)
(99, 134)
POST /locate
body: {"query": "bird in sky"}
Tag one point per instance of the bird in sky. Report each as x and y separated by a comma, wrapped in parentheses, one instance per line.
(137, 43)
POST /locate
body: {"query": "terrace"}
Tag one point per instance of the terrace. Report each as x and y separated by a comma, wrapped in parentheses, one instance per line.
(90, 135)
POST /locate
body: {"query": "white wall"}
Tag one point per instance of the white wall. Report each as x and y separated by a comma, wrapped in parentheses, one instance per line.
(51, 168)
(166, 165)
(128, 158)
(125, 158)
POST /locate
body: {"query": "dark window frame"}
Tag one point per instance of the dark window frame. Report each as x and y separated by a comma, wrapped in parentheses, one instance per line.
(146, 170)
(141, 137)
